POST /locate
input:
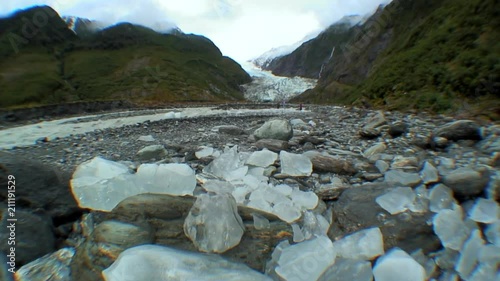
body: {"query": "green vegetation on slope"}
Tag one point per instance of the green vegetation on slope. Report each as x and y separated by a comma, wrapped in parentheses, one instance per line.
(435, 55)
(123, 62)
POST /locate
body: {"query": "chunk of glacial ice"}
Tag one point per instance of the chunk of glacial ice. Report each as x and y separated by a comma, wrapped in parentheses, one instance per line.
(492, 233)
(173, 179)
(429, 173)
(263, 158)
(204, 152)
(295, 165)
(397, 200)
(298, 235)
(346, 269)
(397, 265)
(485, 272)
(304, 199)
(469, 255)
(485, 211)
(260, 222)
(57, 265)
(227, 165)
(307, 260)
(450, 228)
(101, 184)
(218, 186)
(421, 202)
(314, 225)
(402, 178)
(287, 211)
(362, 245)
(441, 198)
(159, 263)
(213, 223)
(98, 169)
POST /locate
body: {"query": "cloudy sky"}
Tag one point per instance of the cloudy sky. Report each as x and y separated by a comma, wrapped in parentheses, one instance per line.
(242, 29)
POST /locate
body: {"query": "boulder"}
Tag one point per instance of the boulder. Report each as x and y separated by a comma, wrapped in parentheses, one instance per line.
(34, 235)
(39, 187)
(231, 130)
(273, 145)
(459, 130)
(278, 129)
(369, 133)
(323, 163)
(356, 209)
(152, 152)
(467, 182)
(375, 121)
(397, 129)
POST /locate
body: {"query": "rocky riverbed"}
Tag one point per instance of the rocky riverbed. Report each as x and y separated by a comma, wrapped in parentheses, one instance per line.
(398, 173)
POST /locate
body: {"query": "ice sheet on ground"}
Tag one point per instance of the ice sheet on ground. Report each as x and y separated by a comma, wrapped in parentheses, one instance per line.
(485, 211)
(306, 260)
(263, 158)
(441, 198)
(451, 229)
(101, 184)
(153, 262)
(469, 255)
(350, 270)
(397, 200)
(295, 164)
(213, 223)
(397, 265)
(362, 245)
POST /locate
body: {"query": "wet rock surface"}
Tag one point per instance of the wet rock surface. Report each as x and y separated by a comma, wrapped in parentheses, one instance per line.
(402, 180)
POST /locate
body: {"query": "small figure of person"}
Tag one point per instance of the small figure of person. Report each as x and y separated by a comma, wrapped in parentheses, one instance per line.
(300, 107)
(278, 107)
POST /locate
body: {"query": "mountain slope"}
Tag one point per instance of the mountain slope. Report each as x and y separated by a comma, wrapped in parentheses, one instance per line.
(122, 62)
(307, 60)
(435, 55)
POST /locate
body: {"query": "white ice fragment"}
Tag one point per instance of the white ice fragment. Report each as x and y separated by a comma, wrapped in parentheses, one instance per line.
(402, 178)
(227, 165)
(485, 211)
(287, 211)
(397, 265)
(260, 222)
(260, 204)
(492, 233)
(298, 235)
(346, 269)
(213, 223)
(485, 272)
(154, 262)
(397, 200)
(362, 245)
(173, 179)
(98, 169)
(429, 173)
(307, 260)
(204, 152)
(314, 225)
(304, 199)
(240, 194)
(469, 255)
(262, 158)
(450, 227)
(441, 197)
(148, 138)
(57, 265)
(218, 186)
(295, 165)
(489, 254)
(284, 189)
(421, 202)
